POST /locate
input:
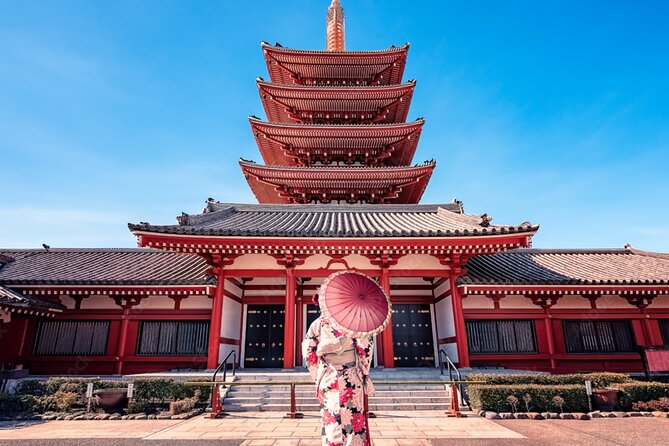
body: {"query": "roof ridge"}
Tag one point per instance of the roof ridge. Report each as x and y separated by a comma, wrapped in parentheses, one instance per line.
(91, 250)
(568, 251)
(391, 49)
(427, 163)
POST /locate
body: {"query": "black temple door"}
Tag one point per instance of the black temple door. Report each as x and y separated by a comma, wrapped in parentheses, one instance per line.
(412, 335)
(264, 336)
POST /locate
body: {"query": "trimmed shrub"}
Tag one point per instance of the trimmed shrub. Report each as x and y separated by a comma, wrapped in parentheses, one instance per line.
(185, 405)
(163, 390)
(12, 404)
(496, 397)
(637, 391)
(599, 380)
(661, 405)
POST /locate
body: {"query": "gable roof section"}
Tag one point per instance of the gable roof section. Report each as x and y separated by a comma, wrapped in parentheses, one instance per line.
(103, 267)
(568, 267)
(320, 220)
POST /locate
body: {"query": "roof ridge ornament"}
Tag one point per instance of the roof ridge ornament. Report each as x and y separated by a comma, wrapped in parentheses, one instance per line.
(336, 29)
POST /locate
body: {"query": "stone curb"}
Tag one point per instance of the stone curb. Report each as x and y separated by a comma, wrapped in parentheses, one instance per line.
(490, 415)
(78, 416)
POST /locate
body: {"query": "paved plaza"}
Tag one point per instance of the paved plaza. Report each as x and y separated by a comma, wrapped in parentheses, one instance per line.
(389, 429)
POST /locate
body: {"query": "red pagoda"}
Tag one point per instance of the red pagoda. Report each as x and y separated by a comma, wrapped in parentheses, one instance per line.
(336, 130)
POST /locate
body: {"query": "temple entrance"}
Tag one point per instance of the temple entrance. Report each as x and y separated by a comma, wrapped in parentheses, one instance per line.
(412, 335)
(264, 336)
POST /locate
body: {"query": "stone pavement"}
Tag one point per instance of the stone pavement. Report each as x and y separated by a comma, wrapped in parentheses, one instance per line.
(269, 429)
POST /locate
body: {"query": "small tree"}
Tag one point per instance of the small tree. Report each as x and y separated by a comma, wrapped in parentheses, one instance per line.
(513, 402)
(527, 398)
(558, 402)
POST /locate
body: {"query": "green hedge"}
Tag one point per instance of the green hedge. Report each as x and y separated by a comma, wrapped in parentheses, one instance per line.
(163, 390)
(599, 380)
(12, 405)
(494, 397)
(636, 391)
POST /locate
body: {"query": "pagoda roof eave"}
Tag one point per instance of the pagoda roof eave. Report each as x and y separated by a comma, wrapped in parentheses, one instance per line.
(282, 49)
(287, 184)
(335, 221)
(302, 144)
(355, 104)
(303, 67)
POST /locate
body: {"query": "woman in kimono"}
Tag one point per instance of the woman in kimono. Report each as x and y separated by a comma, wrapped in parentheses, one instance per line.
(340, 366)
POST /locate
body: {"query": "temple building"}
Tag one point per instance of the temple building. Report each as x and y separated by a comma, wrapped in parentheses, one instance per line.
(338, 189)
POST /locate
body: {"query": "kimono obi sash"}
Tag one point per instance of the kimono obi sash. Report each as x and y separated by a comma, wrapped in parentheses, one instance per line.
(346, 353)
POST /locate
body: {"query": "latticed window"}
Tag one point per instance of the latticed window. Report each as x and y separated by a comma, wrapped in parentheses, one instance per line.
(71, 338)
(173, 338)
(614, 336)
(501, 336)
(664, 329)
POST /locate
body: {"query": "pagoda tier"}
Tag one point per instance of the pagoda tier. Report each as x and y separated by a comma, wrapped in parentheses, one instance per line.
(300, 67)
(305, 145)
(336, 105)
(285, 185)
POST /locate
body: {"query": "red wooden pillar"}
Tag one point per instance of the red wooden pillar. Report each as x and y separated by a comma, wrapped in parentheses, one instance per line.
(387, 334)
(459, 321)
(24, 335)
(123, 339)
(299, 319)
(289, 322)
(216, 317)
(550, 338)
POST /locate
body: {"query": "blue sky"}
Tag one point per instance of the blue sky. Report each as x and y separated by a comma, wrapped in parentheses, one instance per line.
(556, 112)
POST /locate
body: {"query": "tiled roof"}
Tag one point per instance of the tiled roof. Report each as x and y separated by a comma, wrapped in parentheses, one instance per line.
(289, 184)
(568, 267)
(352, 104)
(290, 66)
(319, 220)
(295, 144)
(15, 300)
(102, 267)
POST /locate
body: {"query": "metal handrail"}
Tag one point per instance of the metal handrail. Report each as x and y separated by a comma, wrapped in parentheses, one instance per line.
(451, 368)
(224, 365)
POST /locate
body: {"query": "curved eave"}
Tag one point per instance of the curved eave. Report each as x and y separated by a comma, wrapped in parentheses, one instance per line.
(309, 104)
(278, 184)
(300, 67)
(289, 144)
(287, 237)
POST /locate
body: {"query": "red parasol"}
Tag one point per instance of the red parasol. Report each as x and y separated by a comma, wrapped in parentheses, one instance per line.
(356, 304)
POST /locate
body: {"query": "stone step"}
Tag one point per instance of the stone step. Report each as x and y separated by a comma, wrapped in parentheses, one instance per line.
(316, 407)
(250, 393)
(372, 400)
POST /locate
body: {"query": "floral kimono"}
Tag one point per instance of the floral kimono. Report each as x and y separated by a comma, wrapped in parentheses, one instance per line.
(341, 384)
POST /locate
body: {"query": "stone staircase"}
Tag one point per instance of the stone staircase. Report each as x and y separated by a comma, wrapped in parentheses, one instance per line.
(270, 398)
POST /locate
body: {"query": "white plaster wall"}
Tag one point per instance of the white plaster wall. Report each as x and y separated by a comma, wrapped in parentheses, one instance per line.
(234, 289)
(254, 261)
(441, 289)
(100, 303)
(451, 350)
(418, 261)
(224, 349)
(317, 261)
(660, 302)
(477, 301)
(232, 315)
(197, 302)
(572, 301)
(444, 315)
(153, 303)
(359, 262)
(612, 301)
(67, 301)
(514, 301)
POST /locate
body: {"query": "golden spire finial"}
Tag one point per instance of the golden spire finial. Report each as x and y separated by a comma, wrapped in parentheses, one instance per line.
(336, 39)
